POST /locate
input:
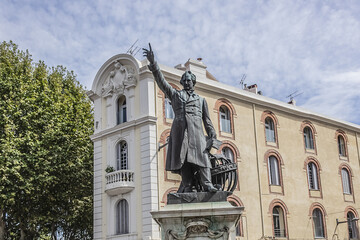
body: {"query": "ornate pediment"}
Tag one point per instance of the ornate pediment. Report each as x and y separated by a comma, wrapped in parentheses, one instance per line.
(121, 77)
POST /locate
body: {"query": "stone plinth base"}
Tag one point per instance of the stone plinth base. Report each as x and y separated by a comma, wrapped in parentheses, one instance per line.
(209, 220)
(195, 197)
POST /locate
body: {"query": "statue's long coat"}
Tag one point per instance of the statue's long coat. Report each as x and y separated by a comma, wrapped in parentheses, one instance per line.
(187, 139)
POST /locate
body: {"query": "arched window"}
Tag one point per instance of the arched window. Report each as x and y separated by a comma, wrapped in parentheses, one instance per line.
(308, 138)
(313, 179)
(121, 110)
(270, 130)
(169, 112)
(122, 217)
(318, 220)
(122, 156)
(236, 202)
(273, 165)
(345, 176)
(352, 227)
(341, 146)
(228, 153)
(279, 222)
(225, 122)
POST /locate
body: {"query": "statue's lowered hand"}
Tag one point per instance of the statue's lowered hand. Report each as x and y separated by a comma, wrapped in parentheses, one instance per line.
(149, 54)
(212, 143)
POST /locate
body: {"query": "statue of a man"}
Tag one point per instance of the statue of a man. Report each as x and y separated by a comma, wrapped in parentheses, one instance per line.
(187, 152)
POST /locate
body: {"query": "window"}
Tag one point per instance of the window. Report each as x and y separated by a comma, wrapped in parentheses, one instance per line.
(273, 165)
(169, 112)
(122, 217)
(318, 223)
(238, 226)
(352, 227)
(225, 123)
(346, 181)
(122, 156)
(341, 145)
(279, 222)
(312, 173)
(121, 110)
(308, 138)
(228, 153)
(269, 130)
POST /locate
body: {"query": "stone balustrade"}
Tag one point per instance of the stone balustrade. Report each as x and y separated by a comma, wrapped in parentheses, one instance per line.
(118, 182)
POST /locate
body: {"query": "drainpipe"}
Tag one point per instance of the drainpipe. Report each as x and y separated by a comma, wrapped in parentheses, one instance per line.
(258, 173)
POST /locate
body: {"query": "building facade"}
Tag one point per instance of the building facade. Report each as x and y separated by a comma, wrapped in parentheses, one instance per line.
(299, 171)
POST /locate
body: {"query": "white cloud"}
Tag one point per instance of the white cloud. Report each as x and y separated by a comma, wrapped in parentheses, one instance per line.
(282, 46)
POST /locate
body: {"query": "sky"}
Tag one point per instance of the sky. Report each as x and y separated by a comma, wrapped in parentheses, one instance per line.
(312, 47)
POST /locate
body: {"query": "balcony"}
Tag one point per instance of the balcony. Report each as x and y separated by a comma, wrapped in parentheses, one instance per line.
(119, 182)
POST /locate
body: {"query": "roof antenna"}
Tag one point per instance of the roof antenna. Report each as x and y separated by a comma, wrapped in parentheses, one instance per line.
(133, 50)
(292, 96)
(242, 80)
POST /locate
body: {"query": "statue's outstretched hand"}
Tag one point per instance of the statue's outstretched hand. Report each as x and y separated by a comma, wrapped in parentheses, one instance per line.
(149, 54)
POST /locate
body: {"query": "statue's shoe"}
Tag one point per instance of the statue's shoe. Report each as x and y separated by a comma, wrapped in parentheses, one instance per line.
(211, 189)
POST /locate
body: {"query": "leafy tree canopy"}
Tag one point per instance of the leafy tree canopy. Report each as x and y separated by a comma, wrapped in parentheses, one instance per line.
(45, 150)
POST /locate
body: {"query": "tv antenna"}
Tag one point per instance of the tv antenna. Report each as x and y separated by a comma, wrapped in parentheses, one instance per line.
(293, 95)
(133, 50)
(242, 80)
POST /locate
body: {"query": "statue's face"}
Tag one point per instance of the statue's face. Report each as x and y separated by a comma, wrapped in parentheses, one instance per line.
(188, 83)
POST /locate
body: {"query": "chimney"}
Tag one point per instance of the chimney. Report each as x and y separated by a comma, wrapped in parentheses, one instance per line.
(292, 102)
(197, 67)
(252, 88)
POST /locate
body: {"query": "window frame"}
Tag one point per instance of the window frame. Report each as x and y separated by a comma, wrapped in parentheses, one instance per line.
(225, 119)
(278, 232)
(352, 225)
(119, 156)
(274, 171)
(342, 151)
(121, 110)
(313, 176)
(222, 102)
(346, 181)
(162, 98)
(320, 224)
(169, 111)
(312, 139)
(276, 189)
(235, 201)
(270, 115)
(308, 138)
(313, 207)
(122, 216)
(313, 193)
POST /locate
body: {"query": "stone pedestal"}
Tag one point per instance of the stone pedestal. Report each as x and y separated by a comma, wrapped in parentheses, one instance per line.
(206, 220)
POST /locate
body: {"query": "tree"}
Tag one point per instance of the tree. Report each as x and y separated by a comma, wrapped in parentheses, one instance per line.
(45, 151)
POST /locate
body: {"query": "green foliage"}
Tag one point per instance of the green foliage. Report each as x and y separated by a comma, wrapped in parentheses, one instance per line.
(45, 151)
(109, 169)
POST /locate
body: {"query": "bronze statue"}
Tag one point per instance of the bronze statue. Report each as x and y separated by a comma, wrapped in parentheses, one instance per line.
(188, 148)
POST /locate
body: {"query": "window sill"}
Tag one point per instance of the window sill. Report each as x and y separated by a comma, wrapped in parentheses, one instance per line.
(272, 144)
(310, 150)
(315, 193)
(343, 158)
(348, 197)
(276, 189)
(226, 135)
(129, 236)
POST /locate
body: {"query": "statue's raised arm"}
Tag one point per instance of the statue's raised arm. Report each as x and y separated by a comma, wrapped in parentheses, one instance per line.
(159, 78)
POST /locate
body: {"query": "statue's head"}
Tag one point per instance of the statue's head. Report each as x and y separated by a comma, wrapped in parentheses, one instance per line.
(188, 80)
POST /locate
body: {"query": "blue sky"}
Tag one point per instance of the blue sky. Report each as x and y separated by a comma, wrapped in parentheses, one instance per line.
(284, 46)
